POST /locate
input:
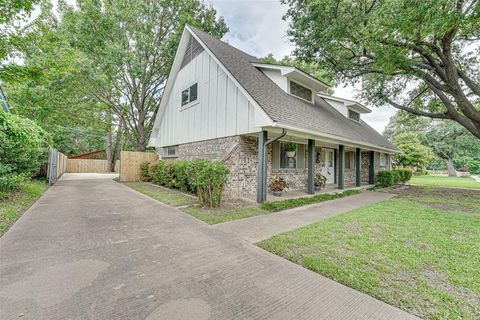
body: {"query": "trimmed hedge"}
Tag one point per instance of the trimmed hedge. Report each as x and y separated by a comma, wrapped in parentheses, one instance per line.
(389, 178)
(205, 178)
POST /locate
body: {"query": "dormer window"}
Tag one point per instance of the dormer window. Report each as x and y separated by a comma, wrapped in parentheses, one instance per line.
(300, 91)
(354, 115)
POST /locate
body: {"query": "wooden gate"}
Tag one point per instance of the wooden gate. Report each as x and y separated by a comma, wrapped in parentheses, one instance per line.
(130, 162)
(57, 164)
(88, 166)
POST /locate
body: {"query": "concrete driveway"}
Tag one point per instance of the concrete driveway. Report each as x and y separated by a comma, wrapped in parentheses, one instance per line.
(94, 249)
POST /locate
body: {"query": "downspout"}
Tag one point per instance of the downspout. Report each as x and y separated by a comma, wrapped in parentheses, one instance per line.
(262, 188)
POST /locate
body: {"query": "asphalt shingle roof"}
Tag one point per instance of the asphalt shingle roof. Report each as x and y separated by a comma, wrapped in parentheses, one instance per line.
(284, 108)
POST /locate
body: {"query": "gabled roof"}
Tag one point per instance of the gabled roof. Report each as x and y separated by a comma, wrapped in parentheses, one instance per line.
(283, 108)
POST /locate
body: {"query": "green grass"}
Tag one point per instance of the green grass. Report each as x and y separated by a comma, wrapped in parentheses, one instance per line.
(444, 181)
(171, 197)
(298, 202)
(419, 252)
(234, 210)
(12, 206)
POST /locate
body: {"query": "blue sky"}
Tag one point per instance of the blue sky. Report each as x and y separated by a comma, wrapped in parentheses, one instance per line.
(256, 27)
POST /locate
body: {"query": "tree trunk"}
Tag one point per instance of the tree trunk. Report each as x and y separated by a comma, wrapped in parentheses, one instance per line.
(117, 148)
(108, 149)
(451, 169)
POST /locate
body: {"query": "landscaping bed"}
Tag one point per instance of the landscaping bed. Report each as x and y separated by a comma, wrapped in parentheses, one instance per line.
(232, 209)
(13, 205)
(418, 251)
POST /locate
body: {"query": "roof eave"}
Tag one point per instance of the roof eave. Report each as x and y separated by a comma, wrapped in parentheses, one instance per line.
(336, 139)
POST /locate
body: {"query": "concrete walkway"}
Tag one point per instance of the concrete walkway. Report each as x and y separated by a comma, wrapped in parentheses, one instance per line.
(262, 227)
(94, 249)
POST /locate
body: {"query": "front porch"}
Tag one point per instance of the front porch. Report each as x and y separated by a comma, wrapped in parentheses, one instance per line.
(345, 166)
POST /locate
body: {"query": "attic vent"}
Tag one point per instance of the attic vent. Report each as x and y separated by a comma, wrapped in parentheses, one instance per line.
(193, 49)
(353, 115)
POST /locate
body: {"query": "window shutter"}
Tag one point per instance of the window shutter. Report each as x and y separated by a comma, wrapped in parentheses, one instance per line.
(300, 156)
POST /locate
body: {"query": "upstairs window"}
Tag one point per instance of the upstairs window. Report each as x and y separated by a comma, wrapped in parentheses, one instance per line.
(300, 91)
(354, 115)
(190, 95)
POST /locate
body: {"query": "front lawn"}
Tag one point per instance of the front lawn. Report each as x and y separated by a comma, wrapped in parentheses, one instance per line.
(419, 251)
(445, 181)
(16, 203)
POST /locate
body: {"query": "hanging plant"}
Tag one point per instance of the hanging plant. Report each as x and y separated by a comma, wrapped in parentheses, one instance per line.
(290, 148)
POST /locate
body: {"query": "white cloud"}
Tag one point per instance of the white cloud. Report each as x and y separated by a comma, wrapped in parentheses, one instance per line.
(257, 28)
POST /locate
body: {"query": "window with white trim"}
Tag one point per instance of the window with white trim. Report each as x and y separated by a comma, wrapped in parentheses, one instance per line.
(300, 91)
(170, 151)
(383, 160)
(287, 162)
(190, 94)
(349, 157)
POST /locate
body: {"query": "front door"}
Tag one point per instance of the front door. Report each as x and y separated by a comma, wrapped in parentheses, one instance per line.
(328, 167)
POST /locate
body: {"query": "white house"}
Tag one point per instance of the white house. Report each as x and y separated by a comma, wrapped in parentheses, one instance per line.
(221, 103)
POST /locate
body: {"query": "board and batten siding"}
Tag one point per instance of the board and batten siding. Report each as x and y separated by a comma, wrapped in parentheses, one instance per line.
(222, 109)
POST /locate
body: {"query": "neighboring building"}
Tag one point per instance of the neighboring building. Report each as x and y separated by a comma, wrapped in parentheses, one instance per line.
(3, 102)
(221, 103)
(99, 155)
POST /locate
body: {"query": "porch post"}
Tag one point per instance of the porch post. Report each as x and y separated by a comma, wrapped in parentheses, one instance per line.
(341, 166)
(311, 166)
(371, 171)
(262, 168)
(335, 165)
(358, 164)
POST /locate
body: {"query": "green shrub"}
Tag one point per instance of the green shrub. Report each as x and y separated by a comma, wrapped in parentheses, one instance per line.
(180, 175)
(9, 180)
(389, 178)
(206, 178)
(404, 175)
(156, 173)
(144, 174)
(22, 144)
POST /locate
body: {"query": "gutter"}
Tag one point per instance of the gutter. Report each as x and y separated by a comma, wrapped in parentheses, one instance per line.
(262, 164)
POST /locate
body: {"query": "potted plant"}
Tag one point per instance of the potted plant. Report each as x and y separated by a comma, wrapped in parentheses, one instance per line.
(291, 148)
(278, 185)
(320, 181)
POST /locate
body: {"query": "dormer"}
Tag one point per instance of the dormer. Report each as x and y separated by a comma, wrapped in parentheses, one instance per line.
(293, 81)
(349, 108)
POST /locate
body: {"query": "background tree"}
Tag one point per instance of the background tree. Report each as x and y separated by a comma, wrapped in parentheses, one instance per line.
(414, 154)
(15, 13)
(420, 56)
(451, 143)
(129, 48)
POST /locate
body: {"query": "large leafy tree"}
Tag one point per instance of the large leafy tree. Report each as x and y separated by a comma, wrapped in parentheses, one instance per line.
(420, 56)
(44, 88)
(448, 140)
(14, 15)
(129, 46)
(414, 153)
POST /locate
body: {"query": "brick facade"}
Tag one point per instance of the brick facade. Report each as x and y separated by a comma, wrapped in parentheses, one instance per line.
(240, 154)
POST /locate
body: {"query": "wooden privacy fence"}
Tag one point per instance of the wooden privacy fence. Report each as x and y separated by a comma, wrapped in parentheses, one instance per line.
(130, 162)
(57, 165)
(88, 166)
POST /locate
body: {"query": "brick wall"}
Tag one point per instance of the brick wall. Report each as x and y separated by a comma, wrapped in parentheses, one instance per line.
(240, 154)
